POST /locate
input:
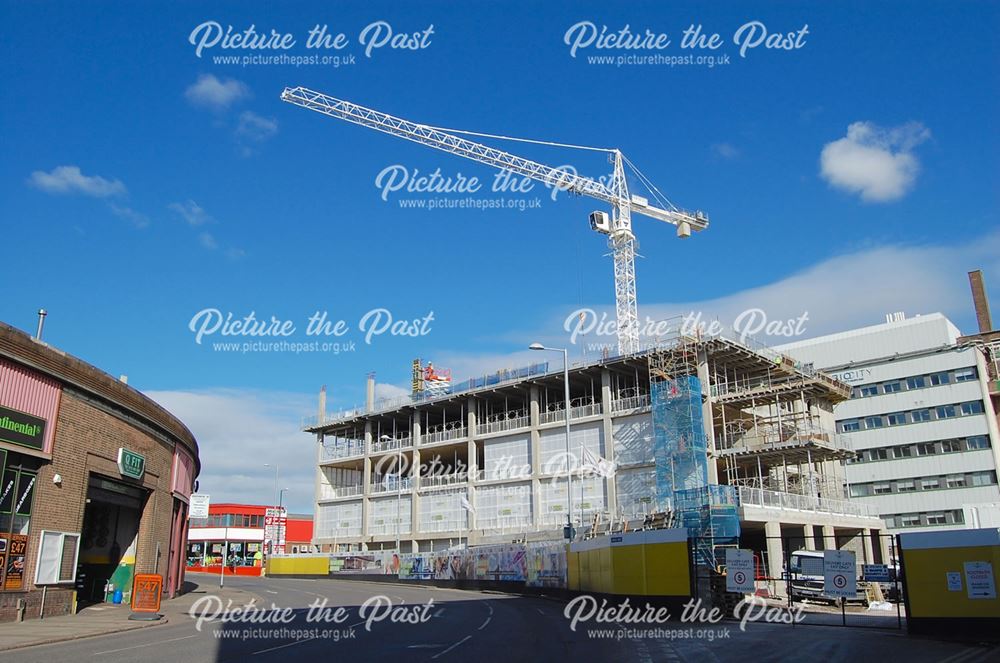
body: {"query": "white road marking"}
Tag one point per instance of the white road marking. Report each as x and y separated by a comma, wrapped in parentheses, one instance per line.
(287, 644)
(148, 644)
(428, 646)
(270, 591)
(540, 611)
(485, 623)
(452, 647)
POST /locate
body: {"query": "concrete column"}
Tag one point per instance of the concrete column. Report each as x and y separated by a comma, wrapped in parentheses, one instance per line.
(810, 536)
(775, 554)
(866, 535)
(609, 442)
(534, 408)
(471, 450)
(884, 548)
(706, 415)
(829, 538)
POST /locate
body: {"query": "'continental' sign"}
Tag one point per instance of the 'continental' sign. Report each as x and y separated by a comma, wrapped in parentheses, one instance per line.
(22, 429)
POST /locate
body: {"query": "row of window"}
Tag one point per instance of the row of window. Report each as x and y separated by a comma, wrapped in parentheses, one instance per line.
(228, 520)
(944, 481)
(915, 382)
(954, 445)
(900, 520)
(920, 415)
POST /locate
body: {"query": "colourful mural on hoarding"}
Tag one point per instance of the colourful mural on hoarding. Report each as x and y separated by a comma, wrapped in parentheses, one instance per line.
(537, 565)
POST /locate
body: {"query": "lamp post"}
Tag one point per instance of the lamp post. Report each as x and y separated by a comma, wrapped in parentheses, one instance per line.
(277, 497)
(281, 494)
(569, 476)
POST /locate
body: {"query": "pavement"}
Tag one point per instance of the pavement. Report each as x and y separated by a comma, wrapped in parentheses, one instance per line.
(108, 618)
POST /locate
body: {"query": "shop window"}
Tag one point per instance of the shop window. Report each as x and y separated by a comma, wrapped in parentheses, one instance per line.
(16, 500)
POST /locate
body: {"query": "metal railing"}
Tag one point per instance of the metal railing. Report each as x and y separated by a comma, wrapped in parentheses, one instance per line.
(439, 480)
(381, 486)
(443, 433)
(380, 446)
(343, 449)
(579, 408)
(388, 528)
(328, 492)
(505, 421)
(770, 499)
(504, 473)
(626, 403)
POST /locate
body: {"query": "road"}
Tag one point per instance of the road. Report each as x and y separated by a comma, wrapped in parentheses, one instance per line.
(462, 625)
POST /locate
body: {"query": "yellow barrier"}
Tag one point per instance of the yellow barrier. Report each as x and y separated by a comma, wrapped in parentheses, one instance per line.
(298, 566)
(949, 579)
(650, 563)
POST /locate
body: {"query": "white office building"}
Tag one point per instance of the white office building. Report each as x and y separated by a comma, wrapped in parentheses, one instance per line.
(919, 418)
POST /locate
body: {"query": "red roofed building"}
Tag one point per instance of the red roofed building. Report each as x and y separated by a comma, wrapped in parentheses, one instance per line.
(237, 532)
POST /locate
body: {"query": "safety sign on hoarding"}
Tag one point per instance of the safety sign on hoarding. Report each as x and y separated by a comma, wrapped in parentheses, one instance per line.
(739, 571)
(840, 577)
(979, 580)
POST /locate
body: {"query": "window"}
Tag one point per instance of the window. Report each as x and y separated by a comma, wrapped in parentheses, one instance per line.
(921, 415)
(897, 418)
(907, 486)
(874, 422)
(977, 442)
(869, 390)
(909, 520)
(856, 392)
(926, 449)
(892, 387)
(916, 382)
(939, 378)
(851, 425)
(878, 454)
(937, 518)
(932, 483)
(984, 478)
(881, 488)
(951, 446)
(946, 411)
(955, 480)
(972, 407)
(965, 374)
(902, 452)
(860, 490)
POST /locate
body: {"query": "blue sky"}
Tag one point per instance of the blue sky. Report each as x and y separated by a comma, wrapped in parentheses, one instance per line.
(141, 184)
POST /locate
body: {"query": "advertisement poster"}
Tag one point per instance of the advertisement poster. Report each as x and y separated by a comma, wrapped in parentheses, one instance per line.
(274, 530)
(14, 566)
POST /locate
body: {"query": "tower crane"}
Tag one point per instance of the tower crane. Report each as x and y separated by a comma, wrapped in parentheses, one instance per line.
(618, 227)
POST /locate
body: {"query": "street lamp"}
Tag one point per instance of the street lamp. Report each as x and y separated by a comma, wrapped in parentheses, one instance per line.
(281, 494)
(274, 544)
(399, 482)
(277, 496)
(568, 533)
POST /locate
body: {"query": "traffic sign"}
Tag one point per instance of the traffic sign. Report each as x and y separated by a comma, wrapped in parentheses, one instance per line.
(739, 571)
(839, 574)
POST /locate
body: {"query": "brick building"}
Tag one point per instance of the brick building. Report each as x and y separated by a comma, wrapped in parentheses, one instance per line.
(95, 482)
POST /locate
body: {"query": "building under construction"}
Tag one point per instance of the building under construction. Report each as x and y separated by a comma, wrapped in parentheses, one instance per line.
(727, 438)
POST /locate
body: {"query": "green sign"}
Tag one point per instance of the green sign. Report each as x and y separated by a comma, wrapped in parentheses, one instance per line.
(131, 464)
(21, 428)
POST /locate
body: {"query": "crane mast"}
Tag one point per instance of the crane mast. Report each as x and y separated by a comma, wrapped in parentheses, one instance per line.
(618, 228)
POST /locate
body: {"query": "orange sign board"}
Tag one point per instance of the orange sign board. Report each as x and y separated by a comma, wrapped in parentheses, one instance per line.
(147, 588)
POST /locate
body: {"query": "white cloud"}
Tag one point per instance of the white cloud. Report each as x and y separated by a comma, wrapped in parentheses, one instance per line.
(137, 219)
(238, 431)
(210, 92)
(235, 253)
(255, 128)
(726, 151)
(69, 179)
(386, 390)
(876, 163)
(207, 241)
(191, 212)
